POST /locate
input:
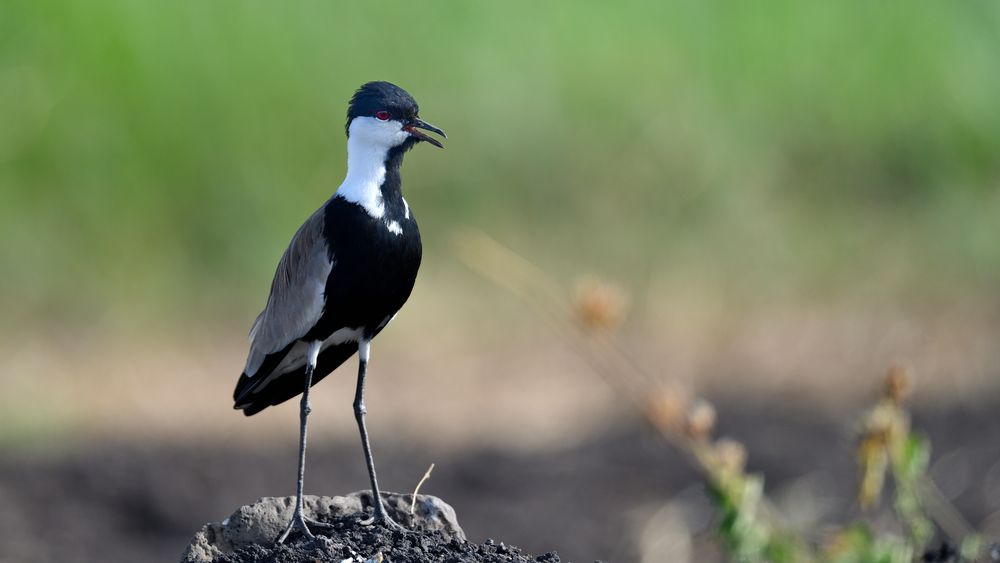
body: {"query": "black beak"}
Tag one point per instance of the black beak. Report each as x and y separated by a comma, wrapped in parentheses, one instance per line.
(417, 123)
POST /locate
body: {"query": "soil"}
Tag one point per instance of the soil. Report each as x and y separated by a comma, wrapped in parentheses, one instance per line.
(352, 542)
(590, 500)
(948, 553)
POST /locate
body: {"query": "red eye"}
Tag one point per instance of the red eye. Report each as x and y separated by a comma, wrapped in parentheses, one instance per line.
(382, 115)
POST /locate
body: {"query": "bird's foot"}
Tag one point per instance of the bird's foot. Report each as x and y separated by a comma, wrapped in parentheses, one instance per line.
(382, 519)
(301, 523)
(318, 526)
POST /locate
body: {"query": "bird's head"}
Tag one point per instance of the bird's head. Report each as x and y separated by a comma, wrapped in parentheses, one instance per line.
(384, 115)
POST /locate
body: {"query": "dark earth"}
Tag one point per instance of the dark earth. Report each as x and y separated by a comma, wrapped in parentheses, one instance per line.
(349, 539)
(946, 552)
(586, 501)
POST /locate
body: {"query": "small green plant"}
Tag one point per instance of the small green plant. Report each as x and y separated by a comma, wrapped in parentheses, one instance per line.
(887, 448)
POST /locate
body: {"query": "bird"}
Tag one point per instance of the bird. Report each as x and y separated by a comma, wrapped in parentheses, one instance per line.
(347, 271)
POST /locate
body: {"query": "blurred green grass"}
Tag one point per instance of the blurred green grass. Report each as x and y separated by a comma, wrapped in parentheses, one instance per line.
(156, 157)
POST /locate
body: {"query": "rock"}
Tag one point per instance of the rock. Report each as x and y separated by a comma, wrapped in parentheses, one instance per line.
(263, 521)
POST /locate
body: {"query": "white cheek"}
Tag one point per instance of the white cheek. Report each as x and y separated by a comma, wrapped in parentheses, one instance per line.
(376, 132)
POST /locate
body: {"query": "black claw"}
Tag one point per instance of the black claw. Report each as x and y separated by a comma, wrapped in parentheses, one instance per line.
(301, 524)
(383, 519)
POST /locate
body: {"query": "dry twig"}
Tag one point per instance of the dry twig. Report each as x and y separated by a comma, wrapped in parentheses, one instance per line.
(413, 501)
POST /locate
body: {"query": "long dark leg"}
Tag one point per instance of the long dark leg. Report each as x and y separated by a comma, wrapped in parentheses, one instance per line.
(298, 520)
(380, 516)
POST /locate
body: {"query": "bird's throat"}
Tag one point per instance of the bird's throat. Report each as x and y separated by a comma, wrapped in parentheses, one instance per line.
(372, 176)
(373, 181)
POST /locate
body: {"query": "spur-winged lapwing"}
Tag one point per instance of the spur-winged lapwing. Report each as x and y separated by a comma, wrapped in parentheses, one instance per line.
(348, 270)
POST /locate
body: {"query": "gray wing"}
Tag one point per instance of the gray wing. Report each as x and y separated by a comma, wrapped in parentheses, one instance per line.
(297, 299)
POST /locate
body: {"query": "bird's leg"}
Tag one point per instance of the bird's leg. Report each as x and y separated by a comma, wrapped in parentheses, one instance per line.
(380, 516)
(298, 519)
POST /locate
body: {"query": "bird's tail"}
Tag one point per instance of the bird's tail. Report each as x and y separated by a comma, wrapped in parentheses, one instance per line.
(264, 389)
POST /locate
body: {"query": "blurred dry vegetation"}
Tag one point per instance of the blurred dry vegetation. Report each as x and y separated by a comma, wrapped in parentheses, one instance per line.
(748, 525)
(789, 198)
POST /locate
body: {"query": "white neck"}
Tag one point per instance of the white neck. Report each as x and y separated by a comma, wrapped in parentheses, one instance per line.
(365, 174)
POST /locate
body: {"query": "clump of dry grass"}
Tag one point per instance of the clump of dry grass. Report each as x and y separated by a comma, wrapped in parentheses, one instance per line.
(599, 305)
(747, 523)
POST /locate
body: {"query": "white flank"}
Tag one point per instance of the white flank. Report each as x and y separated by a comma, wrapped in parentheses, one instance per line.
(302, 351)
(394, 227)
(343, 335)
(387, 320)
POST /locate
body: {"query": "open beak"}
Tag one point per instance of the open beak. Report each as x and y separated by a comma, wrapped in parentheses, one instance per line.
(417, 123)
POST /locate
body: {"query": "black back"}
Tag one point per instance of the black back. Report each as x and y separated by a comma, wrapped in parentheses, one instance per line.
(375, 268)
(372, 277)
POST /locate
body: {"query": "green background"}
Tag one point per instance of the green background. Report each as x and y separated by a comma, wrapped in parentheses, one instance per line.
(155, 157)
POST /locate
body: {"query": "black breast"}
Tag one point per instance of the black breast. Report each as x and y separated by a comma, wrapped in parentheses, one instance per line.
(374, 268)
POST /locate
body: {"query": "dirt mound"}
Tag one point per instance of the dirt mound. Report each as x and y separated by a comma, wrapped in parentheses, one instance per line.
(354, 543)
(248, 535)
